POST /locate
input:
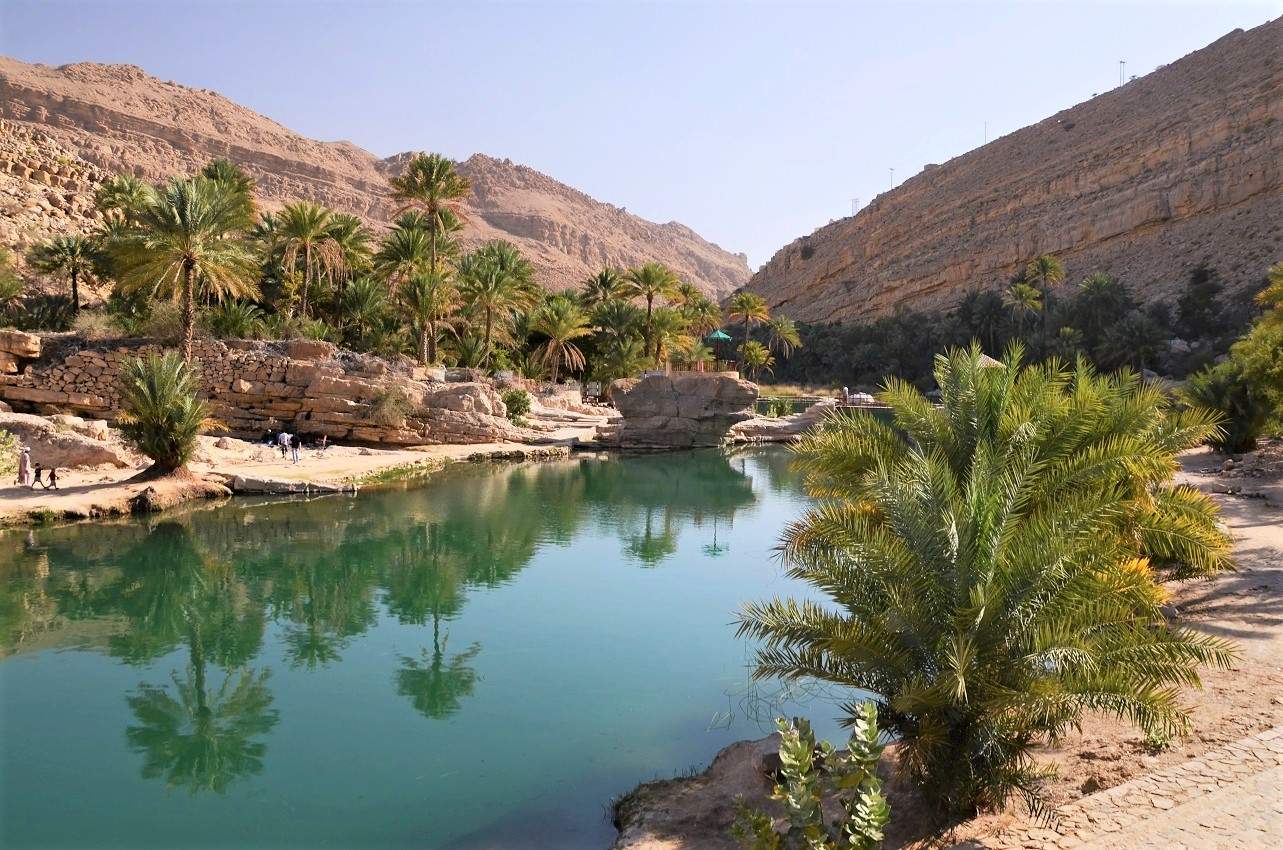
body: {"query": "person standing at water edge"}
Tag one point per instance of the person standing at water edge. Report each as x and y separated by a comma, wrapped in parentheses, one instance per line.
(294, 444)
(24, 466)
(283, 440)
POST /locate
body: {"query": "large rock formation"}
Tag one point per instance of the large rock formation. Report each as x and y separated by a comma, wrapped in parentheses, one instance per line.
(70, 125)
(681, 411)
(306, 387)
(62, 445)
(1182, 166)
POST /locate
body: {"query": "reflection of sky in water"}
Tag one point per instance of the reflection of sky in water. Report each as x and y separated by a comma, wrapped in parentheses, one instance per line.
(482, 661)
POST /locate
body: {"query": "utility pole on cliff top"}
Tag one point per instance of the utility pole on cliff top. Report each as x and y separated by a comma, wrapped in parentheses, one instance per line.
(893, 178)
(1122, 64)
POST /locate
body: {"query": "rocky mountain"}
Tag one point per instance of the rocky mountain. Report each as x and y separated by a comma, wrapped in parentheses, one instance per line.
(65, 128)
(1179, 167)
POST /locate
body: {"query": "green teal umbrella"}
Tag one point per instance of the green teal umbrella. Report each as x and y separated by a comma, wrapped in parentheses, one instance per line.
(719, 336)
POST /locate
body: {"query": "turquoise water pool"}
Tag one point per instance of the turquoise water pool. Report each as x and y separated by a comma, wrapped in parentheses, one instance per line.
(485, 660)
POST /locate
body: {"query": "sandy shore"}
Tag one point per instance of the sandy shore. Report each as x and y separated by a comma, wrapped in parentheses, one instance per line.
(225, 465)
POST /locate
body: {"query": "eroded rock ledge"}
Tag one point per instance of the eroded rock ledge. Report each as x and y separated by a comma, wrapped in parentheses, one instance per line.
(306, 387)
(683, 410)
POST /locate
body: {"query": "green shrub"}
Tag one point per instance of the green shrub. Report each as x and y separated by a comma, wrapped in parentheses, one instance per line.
(164, 322)
(807, 772)
(390, 407)
(8, 454)
(993, 568)
(232, 319)
(161, 414)
(1244, 408)
(91, 324)
(517, 403)
(779, 407)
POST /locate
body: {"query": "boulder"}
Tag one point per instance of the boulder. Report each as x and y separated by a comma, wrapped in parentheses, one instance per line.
(58, 446)
(684, 411)
(19, 343)
(309, 349)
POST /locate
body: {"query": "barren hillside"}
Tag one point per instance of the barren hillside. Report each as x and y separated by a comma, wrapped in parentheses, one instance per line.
(1182, 166)
(89, 120)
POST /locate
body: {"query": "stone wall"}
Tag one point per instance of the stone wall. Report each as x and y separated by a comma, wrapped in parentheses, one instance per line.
(683, 410)
(306, 387)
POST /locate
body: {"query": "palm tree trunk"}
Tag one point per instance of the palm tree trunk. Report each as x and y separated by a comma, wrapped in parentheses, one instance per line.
(489, 324)
(75, 291)
(423, 345)
(189, 312)
(432, 342)
(307, 278)
(650, 299)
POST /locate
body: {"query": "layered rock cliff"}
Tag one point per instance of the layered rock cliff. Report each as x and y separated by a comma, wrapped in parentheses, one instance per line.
(1177, 168)
(117, 118)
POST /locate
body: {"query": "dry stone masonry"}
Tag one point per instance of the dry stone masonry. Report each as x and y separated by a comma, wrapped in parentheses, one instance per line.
(306, 387)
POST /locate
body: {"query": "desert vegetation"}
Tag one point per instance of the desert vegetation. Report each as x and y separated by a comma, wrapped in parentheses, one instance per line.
(197, 256)
(994, 566)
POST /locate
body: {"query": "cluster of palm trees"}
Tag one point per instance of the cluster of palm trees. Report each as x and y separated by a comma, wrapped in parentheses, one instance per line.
(308, 270)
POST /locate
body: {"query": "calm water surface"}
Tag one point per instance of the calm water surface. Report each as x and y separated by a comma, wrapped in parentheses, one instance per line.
(482, 661)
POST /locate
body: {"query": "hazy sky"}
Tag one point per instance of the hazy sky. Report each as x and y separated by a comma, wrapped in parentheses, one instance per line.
(752, 122)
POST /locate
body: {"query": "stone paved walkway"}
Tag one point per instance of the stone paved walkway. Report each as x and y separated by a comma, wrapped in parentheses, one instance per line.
(1229, 798)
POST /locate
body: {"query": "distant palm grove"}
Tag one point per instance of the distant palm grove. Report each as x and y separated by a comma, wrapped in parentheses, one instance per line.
(196, 256)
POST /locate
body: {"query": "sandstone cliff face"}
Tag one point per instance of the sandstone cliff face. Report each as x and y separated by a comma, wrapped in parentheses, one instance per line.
(1182, 166)
(117, 118)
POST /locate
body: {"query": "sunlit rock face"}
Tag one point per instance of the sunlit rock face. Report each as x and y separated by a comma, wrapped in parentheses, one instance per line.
(302, 386)
(1180, 167)
(682, 410)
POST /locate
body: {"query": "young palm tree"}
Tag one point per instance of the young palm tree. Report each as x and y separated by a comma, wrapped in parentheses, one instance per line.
(352, 238)
(562, 320)
(74, 257)
(404, 253)
(119, 197)
(784, 336)
(686, 293)
(749, 309)
(161, 412)
(650, 281)
(190, 230)
(756, 357)
(605, 286)
(1022, 300)
(992, 567)
(618, 320)
(668, 328)
(431, 186)
(495, 281)
(366, 306)
(703, 315)
(305, 231)
(1048, 273)
(427, 300)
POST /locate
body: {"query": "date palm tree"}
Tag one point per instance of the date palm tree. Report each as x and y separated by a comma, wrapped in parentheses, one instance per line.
(702, 314)
(161, 413)
(604, 286)
(74, 257)
(618, 320)
(1046, 272)
(562, 321)
(119, 198)
(749, 309)
(994, 565)
(306, 232)
(1022, 300)
(352, 239)
(783, 335)
(191, 230)
(756, 357)
(428, 300)
(404, 253)
(431, 186)
(495, 281)
(649, 282)
(686, 293)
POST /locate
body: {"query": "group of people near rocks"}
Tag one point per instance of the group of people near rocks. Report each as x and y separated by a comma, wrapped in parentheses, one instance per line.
(291, 444)
(26, 470)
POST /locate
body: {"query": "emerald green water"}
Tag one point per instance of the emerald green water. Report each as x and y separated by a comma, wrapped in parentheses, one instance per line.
(481, 661)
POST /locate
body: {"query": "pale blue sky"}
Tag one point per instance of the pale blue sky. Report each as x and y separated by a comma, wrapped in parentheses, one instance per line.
(752, 122)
